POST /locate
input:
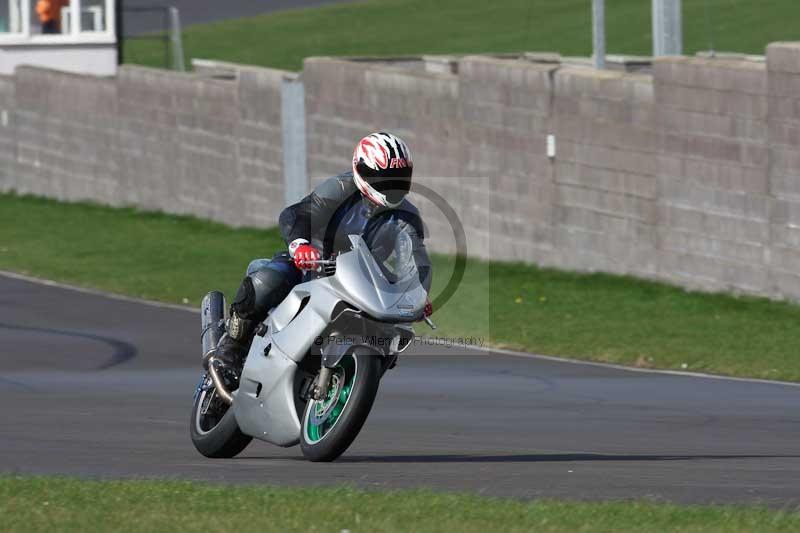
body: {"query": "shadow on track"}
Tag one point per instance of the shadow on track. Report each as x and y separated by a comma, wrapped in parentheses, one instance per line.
(523, 458)
(543, 458)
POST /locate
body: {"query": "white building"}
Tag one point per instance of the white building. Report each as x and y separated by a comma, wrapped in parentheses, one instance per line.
(71, 35)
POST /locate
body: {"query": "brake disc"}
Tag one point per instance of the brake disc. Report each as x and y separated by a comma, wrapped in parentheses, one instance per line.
(322, 409)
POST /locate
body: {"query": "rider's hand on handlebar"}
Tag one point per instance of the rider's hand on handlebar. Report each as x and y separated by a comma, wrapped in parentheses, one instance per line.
(428, 308)
(304, 257)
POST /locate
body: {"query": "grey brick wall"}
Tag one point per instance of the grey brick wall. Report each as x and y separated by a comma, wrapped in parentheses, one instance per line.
(689, 175)
(606, 172)
(505, 109)
(783, 64)
(65, 128)
(154, 139)
(8, 139)
(205, 147)
(713, 203)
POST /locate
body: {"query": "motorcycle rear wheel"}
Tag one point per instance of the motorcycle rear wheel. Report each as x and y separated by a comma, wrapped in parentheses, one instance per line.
(331, 425)
(215, 432)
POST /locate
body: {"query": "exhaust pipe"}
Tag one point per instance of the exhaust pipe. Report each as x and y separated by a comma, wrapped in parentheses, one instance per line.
(218, 384)
(212, 319)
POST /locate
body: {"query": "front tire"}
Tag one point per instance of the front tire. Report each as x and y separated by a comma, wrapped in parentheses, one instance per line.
(331, 425)
(213, 427)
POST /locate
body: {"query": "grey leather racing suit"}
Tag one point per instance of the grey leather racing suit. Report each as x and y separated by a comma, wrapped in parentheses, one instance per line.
(325, 218)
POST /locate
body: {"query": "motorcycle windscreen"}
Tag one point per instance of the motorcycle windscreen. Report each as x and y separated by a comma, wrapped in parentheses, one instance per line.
(391, 245)
(383, 282)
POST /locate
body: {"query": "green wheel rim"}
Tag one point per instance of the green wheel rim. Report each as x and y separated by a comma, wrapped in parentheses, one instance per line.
(315, 433)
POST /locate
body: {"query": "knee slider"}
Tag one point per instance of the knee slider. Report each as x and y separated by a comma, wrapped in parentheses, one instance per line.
(270, 288)
(259, 292)
(244, 303)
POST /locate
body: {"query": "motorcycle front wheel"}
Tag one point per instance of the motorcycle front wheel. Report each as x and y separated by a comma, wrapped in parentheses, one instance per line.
(213, 426)
(330, 425)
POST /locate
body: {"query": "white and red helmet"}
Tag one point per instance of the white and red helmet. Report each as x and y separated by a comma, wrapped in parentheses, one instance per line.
(382, 169)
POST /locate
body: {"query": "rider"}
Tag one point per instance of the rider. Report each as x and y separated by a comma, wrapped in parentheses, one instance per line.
(358, 202)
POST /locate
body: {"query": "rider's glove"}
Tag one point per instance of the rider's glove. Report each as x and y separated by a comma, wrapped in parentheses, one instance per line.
(428, 308)
(304, 254)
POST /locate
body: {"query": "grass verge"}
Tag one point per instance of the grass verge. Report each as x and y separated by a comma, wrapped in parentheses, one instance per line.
(397, 27)
(588, 316)
(47, 504)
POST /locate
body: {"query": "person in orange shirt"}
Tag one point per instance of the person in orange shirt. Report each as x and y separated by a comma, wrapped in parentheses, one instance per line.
(49, 12)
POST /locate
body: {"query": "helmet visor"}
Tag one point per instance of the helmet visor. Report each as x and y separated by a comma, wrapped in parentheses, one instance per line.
(394, 182)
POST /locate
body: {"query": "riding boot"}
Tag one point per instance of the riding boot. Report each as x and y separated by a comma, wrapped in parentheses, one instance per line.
(234, 344)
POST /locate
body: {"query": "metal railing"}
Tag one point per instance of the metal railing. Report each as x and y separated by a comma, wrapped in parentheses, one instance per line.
(170, 34)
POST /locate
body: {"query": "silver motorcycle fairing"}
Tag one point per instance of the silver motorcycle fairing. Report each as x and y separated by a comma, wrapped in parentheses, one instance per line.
(266, 403)
(360, 281)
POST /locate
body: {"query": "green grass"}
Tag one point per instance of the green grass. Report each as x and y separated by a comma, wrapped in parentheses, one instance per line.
(587, 316)
(396, 27)
(56, 504)
(147, 255)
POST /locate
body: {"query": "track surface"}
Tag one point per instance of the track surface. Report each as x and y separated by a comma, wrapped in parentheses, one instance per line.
(199, 11)
(97, 387)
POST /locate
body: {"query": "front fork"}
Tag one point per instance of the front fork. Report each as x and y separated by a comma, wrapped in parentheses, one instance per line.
(200, 385)
(323, 383)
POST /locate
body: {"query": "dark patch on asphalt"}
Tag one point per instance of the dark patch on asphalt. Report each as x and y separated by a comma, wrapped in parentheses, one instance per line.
(19, 384)
(121, 351)
(202, 11)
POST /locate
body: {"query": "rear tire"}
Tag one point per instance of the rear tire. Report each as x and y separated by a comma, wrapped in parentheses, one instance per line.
(326, 442)
(214, 436)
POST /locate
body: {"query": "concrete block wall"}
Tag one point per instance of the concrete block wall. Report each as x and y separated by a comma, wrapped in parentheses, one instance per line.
(505, 108)
(690, 175)
(486, 128)
(154, 139)
(714, 199)
(8, 141)
(205, 147)
(337, 114)
(687, 175)
(605, 172)
(259, 147)
(65, 127)
(783, 136)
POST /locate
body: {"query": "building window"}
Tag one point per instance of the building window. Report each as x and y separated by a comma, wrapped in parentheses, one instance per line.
(11, 17)
(56, 21)
(93, 17)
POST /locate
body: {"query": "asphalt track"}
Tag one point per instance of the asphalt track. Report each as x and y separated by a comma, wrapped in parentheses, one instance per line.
(98, 387)
(200, 11)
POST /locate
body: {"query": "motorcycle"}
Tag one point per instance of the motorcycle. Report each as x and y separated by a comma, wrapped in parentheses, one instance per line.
(313, 369)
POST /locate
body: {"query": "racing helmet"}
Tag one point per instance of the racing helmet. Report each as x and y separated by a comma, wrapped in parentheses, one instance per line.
(382, 169)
